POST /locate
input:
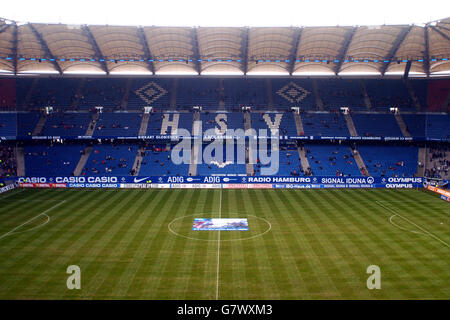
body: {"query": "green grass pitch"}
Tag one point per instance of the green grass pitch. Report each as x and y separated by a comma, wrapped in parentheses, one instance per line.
(302, 244)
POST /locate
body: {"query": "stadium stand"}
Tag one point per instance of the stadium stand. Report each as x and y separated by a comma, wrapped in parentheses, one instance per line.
(376, 125)
(385, 94)
(8, 164)
(390, 161)
(157, 162)
(245, 92)
(110, 159)
(331, 160)
(289, 93)
(66, 124)
(118, 124)
(325, 124)
(51, 160)
(336, 93)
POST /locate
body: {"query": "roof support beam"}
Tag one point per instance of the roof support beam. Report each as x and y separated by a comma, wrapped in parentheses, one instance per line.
(96, 48)
(441, 33)
(244, 49)
(395, 46)
(344, 49)
(15, 47)
(195, 46)
(295, 43)
(46, 49)
(426, 52)
(147, 52)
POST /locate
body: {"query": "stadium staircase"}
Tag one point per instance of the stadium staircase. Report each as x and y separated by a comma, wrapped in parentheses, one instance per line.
(30, 92)
(319, 102)
(138, 161)
(303, 158)
(350, 125)
(366, 96)
(299, 124)
(91, 127)
(144, 124)
(40, 125)
(446, 103)
(126, 95)
(248, 162)
(402, 125)
(82, 162)
(360, 162)
(269, 93)
(20, 158)
(413, 96)
(195, 151)
(221, 95)
(422, 159)
(78, 94)
(173, 95)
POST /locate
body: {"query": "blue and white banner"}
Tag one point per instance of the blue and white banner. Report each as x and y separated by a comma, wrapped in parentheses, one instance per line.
(217, 181)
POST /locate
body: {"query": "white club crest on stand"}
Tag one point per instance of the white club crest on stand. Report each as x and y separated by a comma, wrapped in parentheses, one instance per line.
(150, 92)
(293, 93)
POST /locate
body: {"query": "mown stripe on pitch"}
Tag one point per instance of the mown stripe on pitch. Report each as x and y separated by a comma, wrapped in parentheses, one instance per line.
(285, 280)
(143, 261)
(236, 265)
(137, 239)
(398, 253)
(285, 239)
(38, 249)
(83, 242)
(113, 244)
(183, 253)
(346, 213)
(162, 248)
(262, 259)
(299, 247)
(317, 251)
(335, 255)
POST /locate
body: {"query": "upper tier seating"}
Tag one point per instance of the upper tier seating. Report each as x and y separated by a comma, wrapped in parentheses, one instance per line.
(150, 93)
(66, 124)
(337, 93)
(325, 124)
(107, 93)
(287, 124)
(376, 125)
(287, 93)
(385, 94)
(245, 92)
(118, 124)
(198, 92)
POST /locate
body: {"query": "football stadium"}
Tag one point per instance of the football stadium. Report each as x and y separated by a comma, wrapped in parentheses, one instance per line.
(224, 163)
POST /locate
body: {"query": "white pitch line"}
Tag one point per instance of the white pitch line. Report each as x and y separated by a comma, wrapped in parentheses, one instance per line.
(12, 194)
(218, 249)
(40, 214)
(419, 227)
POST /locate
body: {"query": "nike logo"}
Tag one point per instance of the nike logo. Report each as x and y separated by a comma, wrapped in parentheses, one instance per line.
(139, 180)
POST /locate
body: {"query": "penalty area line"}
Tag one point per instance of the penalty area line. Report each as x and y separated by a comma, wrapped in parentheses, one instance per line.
(32, 219)
(414, 224)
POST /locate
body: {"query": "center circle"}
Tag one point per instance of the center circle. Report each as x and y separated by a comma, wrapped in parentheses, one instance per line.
(262, 226)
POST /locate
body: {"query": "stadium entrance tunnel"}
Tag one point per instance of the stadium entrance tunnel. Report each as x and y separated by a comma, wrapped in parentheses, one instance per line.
(182, 227)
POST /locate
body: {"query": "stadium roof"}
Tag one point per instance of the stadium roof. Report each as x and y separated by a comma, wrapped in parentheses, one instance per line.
(339, 50)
